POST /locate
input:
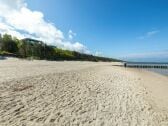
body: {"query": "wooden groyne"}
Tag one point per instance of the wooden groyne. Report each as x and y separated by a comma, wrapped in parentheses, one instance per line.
(145, 65)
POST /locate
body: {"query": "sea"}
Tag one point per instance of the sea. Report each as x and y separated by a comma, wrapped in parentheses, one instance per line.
(162, 68)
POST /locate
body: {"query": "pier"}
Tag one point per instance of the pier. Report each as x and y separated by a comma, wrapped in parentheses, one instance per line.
(146, 65)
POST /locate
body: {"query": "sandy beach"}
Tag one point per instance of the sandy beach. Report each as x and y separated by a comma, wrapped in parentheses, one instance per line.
(68, 93)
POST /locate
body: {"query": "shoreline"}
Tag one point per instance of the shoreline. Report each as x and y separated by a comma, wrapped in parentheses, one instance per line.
(156, 85)
(154, 70)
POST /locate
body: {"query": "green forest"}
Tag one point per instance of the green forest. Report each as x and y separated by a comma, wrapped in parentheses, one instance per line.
(34, 49)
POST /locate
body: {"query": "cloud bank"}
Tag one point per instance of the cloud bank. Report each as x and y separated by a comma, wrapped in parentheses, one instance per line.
(18, 20)
(159, 56)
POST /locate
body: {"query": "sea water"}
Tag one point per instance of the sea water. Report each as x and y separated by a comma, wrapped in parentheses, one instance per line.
(163, 71)
(158, 70)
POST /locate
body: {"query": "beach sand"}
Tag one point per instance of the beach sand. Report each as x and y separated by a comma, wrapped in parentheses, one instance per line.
(48, 93)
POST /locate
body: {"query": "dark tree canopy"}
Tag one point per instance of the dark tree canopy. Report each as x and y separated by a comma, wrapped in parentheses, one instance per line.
(8, 44)
(30, 48)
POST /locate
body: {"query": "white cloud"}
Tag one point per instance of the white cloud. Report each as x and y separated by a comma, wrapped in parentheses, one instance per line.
(18, 20)
(71, 34)
(97, 53)
(149, 34)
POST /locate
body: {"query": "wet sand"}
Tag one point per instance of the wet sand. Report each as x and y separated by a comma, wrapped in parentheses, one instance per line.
(46, 93)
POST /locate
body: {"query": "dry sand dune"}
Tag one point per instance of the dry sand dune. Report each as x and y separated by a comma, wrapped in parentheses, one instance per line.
(42, 93)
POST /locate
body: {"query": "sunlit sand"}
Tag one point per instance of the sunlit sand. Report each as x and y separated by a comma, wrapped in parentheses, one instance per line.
(79, 93)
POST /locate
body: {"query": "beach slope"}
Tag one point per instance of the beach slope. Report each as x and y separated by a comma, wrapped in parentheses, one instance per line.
(46, 93)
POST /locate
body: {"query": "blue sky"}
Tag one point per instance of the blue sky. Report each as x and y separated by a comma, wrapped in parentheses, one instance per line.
(131, 29)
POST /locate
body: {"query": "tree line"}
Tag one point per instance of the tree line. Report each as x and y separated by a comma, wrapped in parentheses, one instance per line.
(30, 48)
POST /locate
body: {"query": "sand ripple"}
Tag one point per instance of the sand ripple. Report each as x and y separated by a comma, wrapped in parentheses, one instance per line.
(94, 96)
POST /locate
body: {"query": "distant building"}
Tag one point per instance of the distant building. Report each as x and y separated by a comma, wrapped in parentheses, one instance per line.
(32, 40)
(35, 41)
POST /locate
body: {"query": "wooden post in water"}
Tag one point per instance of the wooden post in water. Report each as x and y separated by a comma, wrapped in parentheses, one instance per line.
(159, 66)
(125, 64)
